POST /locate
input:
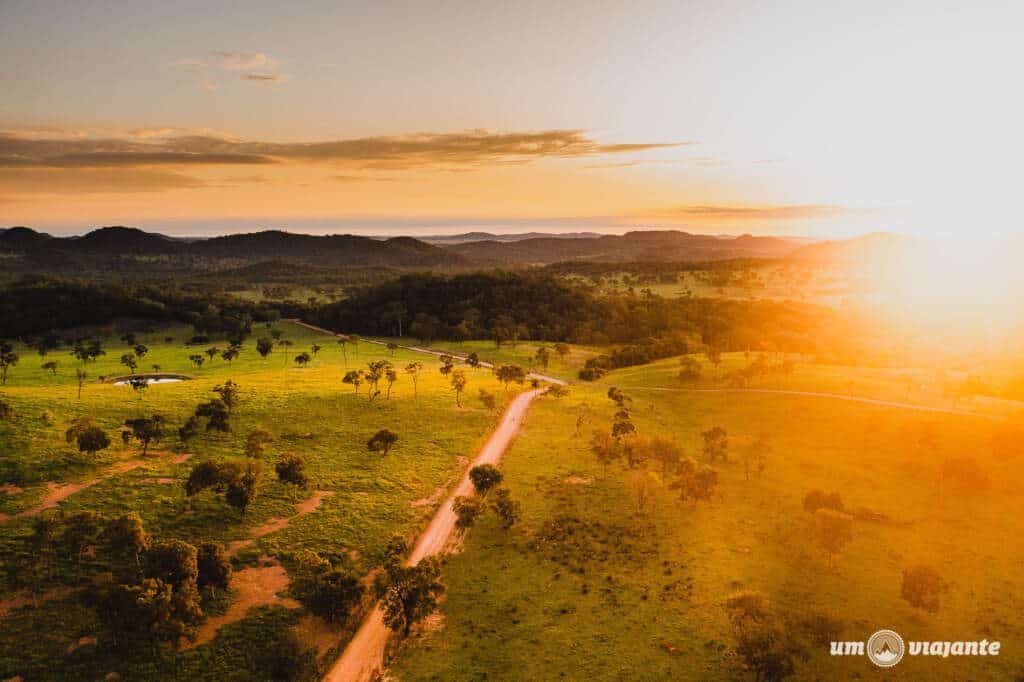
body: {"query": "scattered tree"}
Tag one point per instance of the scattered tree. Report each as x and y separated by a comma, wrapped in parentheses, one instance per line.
(507, 374)
(485, 477)
(50, 367)
(382, 442)
(716, 444)
(87, 435)
(507, 510)
(292, 469)
(213, 567)
(80, 377)
(458, 385)
(264, 347)
(466, 509)
(922, 587)
(413, 369)
(255, 442)
(145, 430)
(302, 359)
(229, 394)
(128, 360)
(355, 378)
(695, 481)
(489, 401)
(835, 531)
(412, 594)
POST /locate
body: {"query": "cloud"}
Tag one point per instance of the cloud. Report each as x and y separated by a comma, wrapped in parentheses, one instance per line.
(467, 149)
(259, 67)
(269, 78)
(749, 213)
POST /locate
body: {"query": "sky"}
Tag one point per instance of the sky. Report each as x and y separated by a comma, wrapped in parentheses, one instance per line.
(794, 118)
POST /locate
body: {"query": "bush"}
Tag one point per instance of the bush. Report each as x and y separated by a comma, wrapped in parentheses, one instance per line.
(819, 499)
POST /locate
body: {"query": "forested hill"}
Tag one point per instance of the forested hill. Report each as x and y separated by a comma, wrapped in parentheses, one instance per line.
(36, 250)
(507, 306)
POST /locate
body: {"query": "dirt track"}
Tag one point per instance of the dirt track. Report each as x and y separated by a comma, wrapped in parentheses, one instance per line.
(364, 655)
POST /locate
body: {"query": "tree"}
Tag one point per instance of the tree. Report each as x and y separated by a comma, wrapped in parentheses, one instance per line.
(473, 360)
(605, 448)
(212, 352)
(466, 509)
(89, 437)
(819, 499)
(447, 363)
(314, 349)
(231, 353)
(264, 347)
(80, 377)
(140, 350)
(543, 356)
(353, 377)
(229, 394)
(413, 594)
(835, 531)
(562, 350)
(413, 369)
(302, 359)
(216, 414)
(292, 469)
(213, 567)
(8, 359)
(287, 659)
(714, 356)
(392, 347)
(145, 430)
(373, 374)
(485, 477)
(197, 360)
(760, 640)
(255, 442)
(666, 451)
(328, 591)
(139, 385)
(490, 403)
(128, 360)
(126, 537)
(507, 510)
(156, 368)
(189, 429)
(695, 481)
(343, 341)
(50, 367)
(922, 587)
(716, 444)
(174, 561)
(382, 442)
(458, 385)
(506, 374)
(756, 455)
(241, 491)
(689, 372)
(391, 376)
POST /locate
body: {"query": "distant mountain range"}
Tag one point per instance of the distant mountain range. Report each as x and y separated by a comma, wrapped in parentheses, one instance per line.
(126, 246)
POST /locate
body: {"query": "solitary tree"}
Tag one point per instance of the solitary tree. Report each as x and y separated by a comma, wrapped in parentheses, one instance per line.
(922, 586)
(835, 531)
(382, 442)
(716, 444)
(264, 347)
(292, 469)
(458, 385)
(229, 393)
(392, 347)
(80, 377)
(353, 377)
(391, 376)
(88, 436)
(413, 369)
(8, 359)
(140, 350)
(488, 400)
(412, 594)
(485, 477)
(145, 430)
(128, 360)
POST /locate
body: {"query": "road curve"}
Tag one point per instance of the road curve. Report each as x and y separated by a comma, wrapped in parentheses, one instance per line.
(363, 658)
(428, 351)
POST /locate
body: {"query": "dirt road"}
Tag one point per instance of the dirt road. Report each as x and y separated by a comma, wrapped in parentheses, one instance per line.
(364, 655)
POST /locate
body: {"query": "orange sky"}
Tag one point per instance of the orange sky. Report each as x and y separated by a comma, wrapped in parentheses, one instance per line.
(785, 118)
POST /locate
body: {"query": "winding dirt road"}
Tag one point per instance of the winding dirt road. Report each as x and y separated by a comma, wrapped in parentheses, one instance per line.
(364, 655)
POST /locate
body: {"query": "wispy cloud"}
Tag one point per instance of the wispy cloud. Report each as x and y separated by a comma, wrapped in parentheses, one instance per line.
(711, 212)
(467, 149)
(257, 67)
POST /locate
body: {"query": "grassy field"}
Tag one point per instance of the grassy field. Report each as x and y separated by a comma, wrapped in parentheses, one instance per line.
(590, 586)
(310, 412)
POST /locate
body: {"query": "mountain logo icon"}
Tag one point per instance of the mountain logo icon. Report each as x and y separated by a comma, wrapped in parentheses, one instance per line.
(885, 648)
